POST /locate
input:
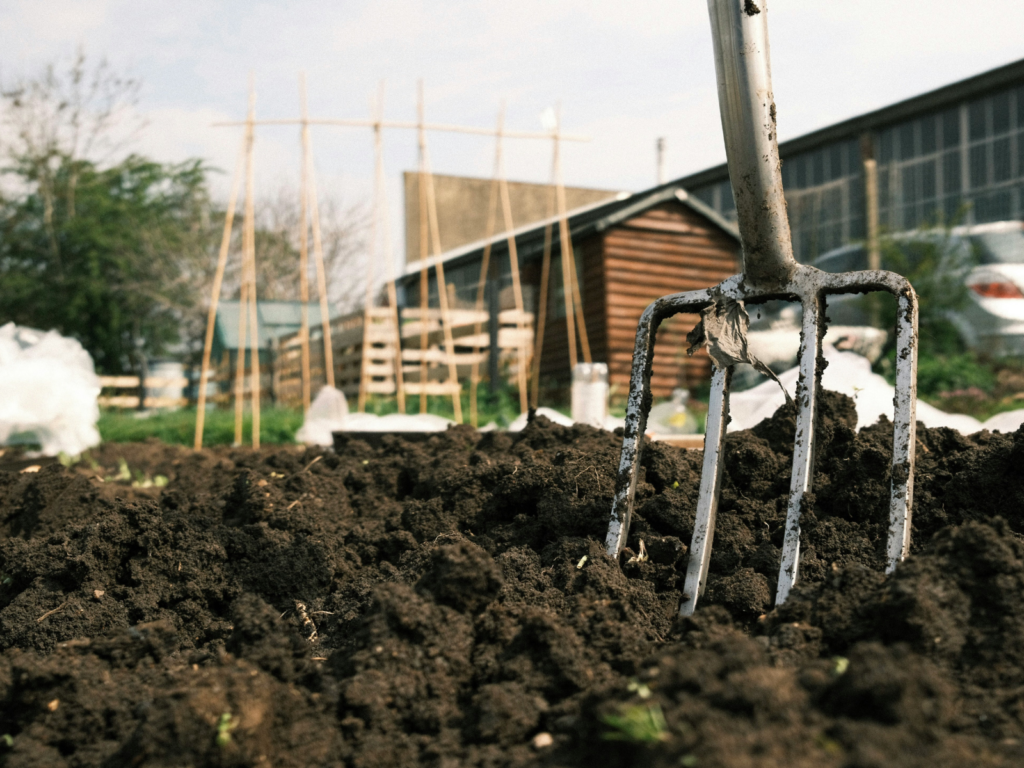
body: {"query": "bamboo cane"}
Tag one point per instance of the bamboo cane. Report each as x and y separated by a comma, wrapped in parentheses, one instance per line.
(542, 299)
(563, 237)
(421, 190)
(381, 203)
(442, 292)
(517, 294)
(485, 265)
(364, 362)
(218, 279)
(571, 287)
(243, 300)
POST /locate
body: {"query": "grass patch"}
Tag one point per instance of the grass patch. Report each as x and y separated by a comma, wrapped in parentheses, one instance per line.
(277, 426)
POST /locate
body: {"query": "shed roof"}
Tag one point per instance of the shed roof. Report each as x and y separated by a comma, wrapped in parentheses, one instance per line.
(583, 222)
(274, 319)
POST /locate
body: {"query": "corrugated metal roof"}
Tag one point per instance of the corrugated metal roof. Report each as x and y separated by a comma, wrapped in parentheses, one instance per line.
(930, 101)
(274, 319)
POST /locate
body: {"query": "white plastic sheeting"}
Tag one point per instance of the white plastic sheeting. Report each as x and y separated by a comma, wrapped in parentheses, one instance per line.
(851, 374)
(329, 413)
(48, 391)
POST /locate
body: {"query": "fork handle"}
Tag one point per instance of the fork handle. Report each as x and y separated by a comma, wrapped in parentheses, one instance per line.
(739, 29)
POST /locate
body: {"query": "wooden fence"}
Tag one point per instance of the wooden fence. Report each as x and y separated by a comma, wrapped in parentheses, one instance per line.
(116, 383)
(352, 340)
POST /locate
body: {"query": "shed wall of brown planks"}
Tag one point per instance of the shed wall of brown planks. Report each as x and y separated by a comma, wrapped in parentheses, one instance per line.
(666, 249)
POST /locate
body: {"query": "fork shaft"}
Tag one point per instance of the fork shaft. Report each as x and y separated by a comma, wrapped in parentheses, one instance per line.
(740, 34)
(803, 450)
(710, 487)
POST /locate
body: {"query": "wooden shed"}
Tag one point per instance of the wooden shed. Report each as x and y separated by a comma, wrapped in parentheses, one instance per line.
(629, 251)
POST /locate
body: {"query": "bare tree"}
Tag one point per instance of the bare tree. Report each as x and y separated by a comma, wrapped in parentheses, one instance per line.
(343, 234)
(62, 116)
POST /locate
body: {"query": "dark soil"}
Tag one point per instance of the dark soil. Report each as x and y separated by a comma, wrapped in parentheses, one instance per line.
(449, 604)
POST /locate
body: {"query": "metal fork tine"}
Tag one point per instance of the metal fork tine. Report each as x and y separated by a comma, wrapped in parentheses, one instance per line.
(904, 431)
(710, 489)
(803, 450)
(637, 408)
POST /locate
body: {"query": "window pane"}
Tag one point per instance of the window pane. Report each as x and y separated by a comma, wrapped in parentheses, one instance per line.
(1001, 169)
(950, 128)
(885, 141)
(907, 141)
(1020, 154)
(951, 181)
(801, 171)
(706, 195)
(818, 159)
(835, 161)
(853, 159)
(911, 193)
(976, 120)
(952, 210)
(1001, 113)
(928, 180)
(728, 203)
(928, 143)
(979, 166)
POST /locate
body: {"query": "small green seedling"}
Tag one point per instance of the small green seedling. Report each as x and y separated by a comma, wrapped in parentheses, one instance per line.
(581, 563)
(144, 481)
(675, 484)
(637, 723)
(689, 761)
(225, 726)
(839, 665)
(640, 689)
(8, 740)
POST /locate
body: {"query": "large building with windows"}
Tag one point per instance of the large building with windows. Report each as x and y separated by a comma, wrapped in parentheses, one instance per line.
(952, 155)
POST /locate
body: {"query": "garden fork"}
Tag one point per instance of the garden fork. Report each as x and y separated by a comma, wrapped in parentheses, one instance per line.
(740, 33)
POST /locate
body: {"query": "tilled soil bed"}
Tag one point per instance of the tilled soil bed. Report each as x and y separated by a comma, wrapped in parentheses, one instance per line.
(449, 604)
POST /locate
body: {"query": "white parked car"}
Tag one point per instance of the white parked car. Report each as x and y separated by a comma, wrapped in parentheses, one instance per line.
(992, 322)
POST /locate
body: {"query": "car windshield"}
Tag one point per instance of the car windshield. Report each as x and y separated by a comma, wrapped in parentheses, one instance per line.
(1001, 247)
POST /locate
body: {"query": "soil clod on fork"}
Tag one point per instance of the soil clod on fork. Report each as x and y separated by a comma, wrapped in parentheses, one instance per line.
(769, 272)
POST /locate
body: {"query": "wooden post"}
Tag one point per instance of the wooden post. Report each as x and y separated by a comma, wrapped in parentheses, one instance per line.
(318, 250)
(218, 279)
(254, 346)
(304, 258)
(244, 288)
(867, 148)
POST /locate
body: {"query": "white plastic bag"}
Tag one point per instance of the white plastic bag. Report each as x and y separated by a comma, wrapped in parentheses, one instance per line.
(326, 414)
(48, 391)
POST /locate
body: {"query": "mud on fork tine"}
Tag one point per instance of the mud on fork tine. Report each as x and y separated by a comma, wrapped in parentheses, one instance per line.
(809, 286)
(740, 36)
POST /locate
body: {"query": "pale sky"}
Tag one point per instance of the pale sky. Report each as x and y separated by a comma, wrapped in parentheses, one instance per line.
(625, 73)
